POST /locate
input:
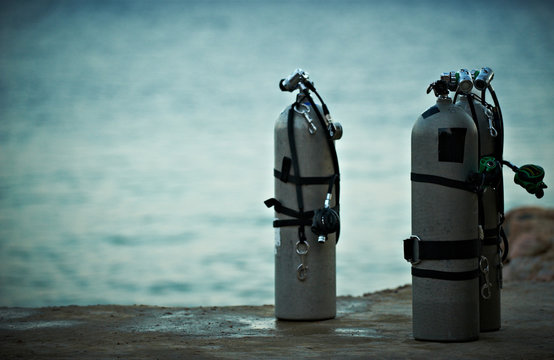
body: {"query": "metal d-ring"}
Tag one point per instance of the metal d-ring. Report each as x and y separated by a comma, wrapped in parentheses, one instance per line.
(302, 112)
(302, 248)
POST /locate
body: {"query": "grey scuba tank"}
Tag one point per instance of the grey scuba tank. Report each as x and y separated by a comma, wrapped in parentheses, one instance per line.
(444, 247)
(491, 197)
(306, 210)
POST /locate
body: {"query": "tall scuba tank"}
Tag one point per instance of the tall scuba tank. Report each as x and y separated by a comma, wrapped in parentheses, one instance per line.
(443, 249)
(491, 204)
(305, 166)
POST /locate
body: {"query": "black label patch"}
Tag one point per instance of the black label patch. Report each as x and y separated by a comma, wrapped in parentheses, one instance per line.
(431, 111)
(452, 144)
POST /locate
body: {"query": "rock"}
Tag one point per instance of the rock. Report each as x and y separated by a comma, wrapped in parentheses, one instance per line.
(530, 232)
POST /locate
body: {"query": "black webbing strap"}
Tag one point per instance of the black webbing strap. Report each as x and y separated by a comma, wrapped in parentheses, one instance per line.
(445, 275)
(294, 157)
(439, 180)
(305, 180)
(302, 218)
(490, 232)
(305, 219)
(441, 250)
(292, 222)
(284, 174)
(288, 211)
(492, 237)
(416, 249)
(481, 211)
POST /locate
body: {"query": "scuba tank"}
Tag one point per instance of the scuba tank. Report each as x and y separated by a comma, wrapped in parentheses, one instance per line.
(306, 204)
(487, 184)
(488, 119)
(490, 198)
(444, 247)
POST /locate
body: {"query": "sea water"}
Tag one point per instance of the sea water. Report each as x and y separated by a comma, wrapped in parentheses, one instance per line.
(136, 137)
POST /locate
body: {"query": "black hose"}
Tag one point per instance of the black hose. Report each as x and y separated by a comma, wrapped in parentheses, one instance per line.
(476, 121)
(483, 97)
(510, 165)
(332, 150)
(323, 105)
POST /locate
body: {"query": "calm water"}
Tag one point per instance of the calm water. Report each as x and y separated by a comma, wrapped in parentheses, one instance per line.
(136, 137)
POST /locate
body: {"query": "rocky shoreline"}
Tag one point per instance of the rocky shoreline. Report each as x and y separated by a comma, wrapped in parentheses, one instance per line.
(530, 232)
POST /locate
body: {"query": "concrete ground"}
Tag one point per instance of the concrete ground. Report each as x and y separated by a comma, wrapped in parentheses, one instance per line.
(376, 325)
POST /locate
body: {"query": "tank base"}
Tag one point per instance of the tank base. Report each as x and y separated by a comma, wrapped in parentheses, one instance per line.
(305, 320)
(449, 341)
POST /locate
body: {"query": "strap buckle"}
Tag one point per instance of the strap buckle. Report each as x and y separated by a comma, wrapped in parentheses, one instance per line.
(411, 249)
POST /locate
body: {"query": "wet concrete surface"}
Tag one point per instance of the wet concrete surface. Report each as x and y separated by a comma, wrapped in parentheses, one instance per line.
(376, 325)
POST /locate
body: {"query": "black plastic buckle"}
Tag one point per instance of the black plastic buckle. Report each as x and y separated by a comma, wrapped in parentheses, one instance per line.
(411, 249)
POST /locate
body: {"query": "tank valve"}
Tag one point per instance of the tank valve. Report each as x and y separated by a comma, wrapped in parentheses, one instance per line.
(440, 87)
(482, 78)
(297, 80)
(465, 84)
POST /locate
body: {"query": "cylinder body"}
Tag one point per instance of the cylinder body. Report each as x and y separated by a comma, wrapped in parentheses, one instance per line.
(489, 309)
(444, 144)
(313, 297)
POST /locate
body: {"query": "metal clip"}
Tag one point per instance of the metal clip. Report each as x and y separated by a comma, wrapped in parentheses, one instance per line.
(311, 126)
(490, 117)
(302, 248)
(302, 272)
(486, 288)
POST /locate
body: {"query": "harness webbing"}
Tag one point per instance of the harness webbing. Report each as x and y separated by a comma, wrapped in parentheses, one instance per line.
(415, 249)
(481, 210)
(439, 180)
(302, 217)
(287, 211)
(294, 157)
(306, 180)
(445, 275)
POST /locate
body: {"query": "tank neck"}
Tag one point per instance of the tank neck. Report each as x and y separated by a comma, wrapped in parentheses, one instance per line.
(444, 100)
(300, 97)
